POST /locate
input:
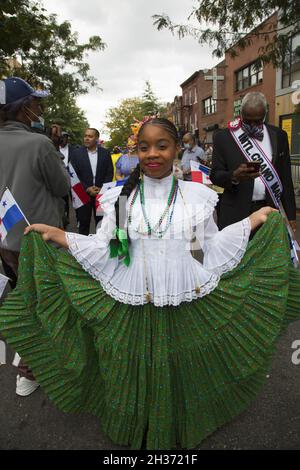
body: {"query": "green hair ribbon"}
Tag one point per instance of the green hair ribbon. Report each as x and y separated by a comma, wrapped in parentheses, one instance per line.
(119, 247)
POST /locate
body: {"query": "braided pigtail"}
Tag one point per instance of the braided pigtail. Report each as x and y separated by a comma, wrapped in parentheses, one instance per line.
(119, 244)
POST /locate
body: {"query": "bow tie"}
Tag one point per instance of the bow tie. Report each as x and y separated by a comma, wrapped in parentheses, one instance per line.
(255, 132)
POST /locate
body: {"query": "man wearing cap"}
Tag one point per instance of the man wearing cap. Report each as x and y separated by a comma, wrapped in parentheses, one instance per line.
(31, 168)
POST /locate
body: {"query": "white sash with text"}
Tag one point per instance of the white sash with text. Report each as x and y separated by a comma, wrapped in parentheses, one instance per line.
(254, 153)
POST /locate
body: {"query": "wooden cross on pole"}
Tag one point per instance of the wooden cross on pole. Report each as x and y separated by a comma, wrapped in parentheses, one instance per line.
(214, 77)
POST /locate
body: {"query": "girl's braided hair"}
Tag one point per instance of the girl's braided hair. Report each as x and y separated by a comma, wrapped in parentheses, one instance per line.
(133, 179)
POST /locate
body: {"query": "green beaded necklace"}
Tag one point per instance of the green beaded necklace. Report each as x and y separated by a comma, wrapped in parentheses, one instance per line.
(157, 227)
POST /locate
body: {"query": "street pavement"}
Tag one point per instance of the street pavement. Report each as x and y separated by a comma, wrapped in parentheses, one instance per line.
(272, 421)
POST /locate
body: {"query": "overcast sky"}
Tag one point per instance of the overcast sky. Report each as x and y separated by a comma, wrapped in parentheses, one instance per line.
(135, 51)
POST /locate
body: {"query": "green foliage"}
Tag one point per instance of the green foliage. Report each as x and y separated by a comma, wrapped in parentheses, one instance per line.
(150, 105)
(22, 24)
(49, 56)
(228, 21)
(68, 115)
(119, 119)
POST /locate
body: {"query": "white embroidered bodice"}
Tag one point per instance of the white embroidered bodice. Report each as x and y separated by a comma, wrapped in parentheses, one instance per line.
(164, 267)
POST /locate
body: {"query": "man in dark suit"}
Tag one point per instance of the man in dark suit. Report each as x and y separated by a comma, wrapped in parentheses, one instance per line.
(93, 167)
(244, 191)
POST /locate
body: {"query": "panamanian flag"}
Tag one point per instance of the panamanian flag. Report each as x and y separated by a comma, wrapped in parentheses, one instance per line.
(3, 281)
(79, 195)
(10, 213)
(200, 173)
(106, 187)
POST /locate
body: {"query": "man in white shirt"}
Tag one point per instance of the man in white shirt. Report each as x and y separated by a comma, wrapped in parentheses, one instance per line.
(93, 167)
(192, 152)
(64, 147)
(244, 191)
(66, 151)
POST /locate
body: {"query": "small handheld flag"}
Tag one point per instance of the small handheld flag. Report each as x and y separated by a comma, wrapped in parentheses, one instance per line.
(200, 173)
(106, 187)
(3, 281)
(79, 195)
(10, 214)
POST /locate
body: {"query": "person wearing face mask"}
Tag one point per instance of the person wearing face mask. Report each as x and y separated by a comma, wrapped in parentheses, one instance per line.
(191, 152)
(245, 188)
(31, 168)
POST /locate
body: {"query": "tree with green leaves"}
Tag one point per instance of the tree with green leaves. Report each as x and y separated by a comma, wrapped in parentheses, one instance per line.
(68, 115)
(22, 24)
(150, 103)
(224, 23)
(49, 55)
(120, 118)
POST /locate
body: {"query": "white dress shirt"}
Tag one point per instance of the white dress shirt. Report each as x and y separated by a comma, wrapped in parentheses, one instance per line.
(65, 152)
(93, 156)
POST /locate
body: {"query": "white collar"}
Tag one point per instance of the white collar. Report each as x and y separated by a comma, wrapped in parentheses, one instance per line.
(166, 181)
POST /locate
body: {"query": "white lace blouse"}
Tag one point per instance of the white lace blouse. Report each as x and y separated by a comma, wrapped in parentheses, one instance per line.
(163, 267)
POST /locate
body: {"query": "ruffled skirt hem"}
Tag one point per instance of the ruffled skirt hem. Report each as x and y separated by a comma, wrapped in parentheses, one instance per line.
(170, 375)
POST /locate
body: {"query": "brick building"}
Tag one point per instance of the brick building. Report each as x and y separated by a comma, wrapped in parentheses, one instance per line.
(208, 104)
(244, 74)
(202, 114)
(190, 106)
(212, 101)
(177, 112)
(287, 108)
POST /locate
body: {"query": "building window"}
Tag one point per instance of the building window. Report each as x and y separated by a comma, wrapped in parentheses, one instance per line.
(196, 121)
(209, 106)
(291, 62)
(190, 102)
(249, 76)
(175, 118)
(195, 96)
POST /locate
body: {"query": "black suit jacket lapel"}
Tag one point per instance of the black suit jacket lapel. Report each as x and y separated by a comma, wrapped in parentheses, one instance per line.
(88, 165)
(98, 161)
(274, 143)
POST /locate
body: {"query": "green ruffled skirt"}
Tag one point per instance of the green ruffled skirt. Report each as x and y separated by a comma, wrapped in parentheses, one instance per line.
(169, 375)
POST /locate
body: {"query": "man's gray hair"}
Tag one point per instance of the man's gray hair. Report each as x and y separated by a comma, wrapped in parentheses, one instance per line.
(190, 136)
(253, 99)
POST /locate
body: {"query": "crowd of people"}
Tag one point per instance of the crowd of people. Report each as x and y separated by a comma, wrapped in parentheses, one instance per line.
(125, 323)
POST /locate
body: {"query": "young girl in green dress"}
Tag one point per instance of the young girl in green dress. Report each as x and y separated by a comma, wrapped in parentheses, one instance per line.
(127, 325)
